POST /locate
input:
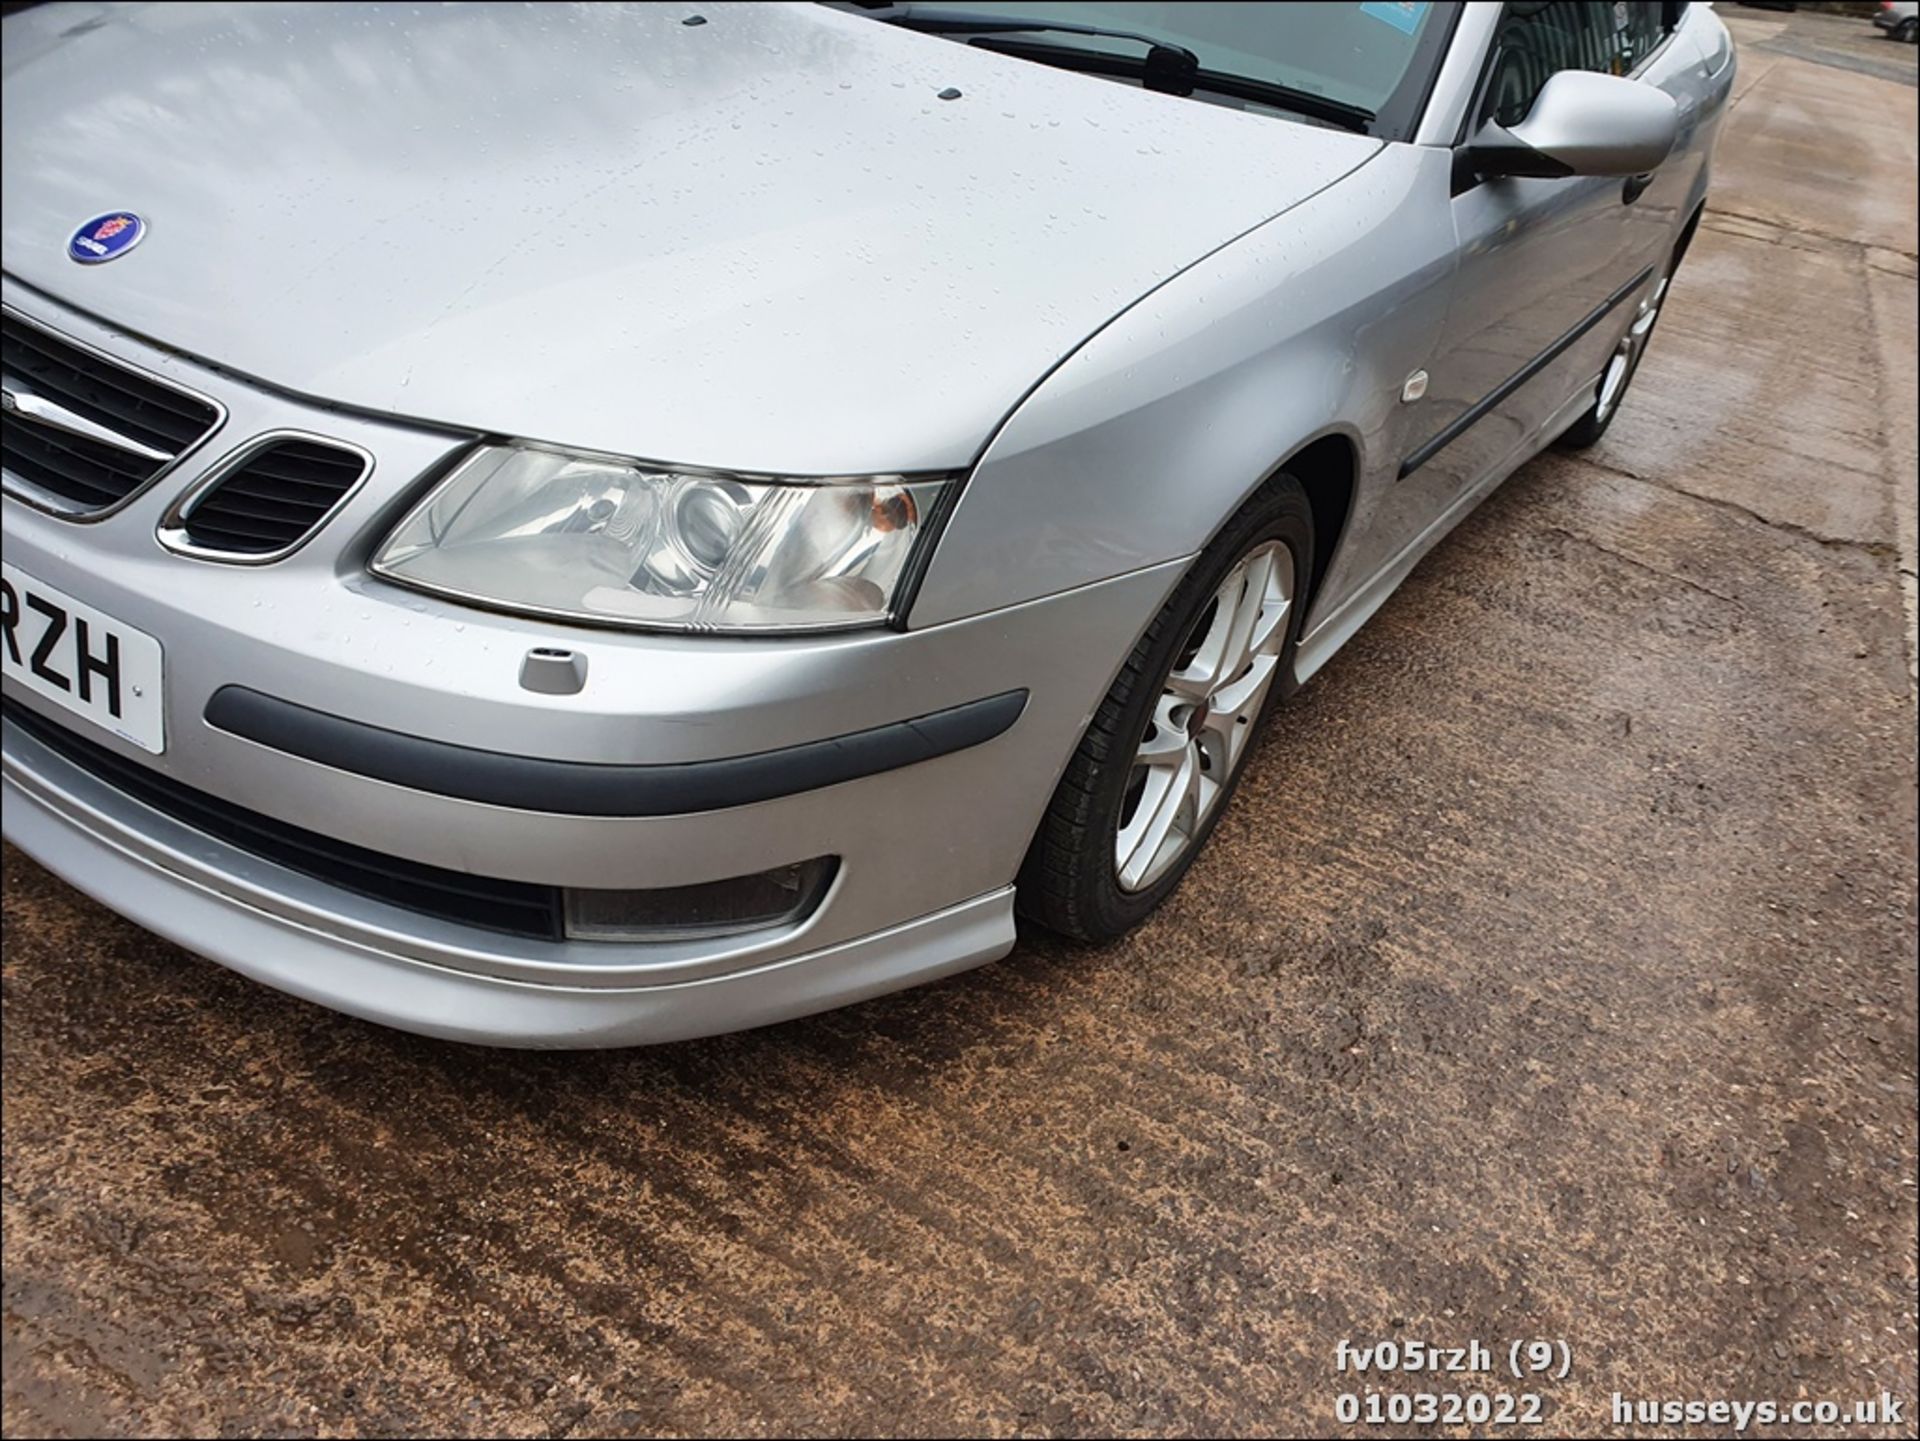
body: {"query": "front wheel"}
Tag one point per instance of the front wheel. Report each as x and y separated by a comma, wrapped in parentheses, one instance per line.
(1908, 31)
(1167, 746)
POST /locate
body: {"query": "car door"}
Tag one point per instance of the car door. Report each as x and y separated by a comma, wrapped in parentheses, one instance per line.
(1676, 65)
(1536, 257)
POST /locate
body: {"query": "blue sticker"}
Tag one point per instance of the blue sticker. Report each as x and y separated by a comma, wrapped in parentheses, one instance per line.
(106, 237)
(1402, 15)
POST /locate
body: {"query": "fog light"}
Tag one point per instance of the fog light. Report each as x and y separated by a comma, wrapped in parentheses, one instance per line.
(713, 908)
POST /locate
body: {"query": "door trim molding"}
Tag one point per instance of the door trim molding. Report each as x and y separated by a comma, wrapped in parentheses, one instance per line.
(1476, 412)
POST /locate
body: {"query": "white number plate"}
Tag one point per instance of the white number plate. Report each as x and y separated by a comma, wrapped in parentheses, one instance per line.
(101, 669)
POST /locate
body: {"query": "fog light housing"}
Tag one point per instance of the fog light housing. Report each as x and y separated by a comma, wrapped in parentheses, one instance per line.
(783, 896)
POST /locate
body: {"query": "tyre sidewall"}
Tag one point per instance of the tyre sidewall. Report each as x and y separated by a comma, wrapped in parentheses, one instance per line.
(1588, 429)
(1280, 512)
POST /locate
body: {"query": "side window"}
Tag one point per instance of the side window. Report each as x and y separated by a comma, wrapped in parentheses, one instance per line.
(1646, 27)
(1539, 38)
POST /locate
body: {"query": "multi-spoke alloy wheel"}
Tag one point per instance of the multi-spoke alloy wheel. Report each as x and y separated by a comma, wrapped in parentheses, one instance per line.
(1158, 763)
(1205, 715)
(1626, 356)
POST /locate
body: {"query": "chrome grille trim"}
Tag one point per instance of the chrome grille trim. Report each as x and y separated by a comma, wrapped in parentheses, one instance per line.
(175, 526)
(61, 424)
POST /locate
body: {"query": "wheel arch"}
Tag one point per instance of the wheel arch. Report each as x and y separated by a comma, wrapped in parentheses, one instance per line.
(1687, 230)
(1327, 466)
(1328, 470)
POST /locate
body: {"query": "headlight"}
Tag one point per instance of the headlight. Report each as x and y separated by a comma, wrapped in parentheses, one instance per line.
(621, 543)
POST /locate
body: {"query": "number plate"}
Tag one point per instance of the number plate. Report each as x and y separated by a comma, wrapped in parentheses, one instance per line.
(81, 659)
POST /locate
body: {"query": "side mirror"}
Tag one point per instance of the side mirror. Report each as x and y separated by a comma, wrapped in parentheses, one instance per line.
(1581, 124)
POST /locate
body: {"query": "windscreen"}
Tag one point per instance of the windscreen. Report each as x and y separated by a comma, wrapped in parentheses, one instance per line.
(1358, 54)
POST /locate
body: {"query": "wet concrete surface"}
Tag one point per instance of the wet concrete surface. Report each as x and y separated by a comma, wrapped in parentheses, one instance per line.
(1552, 976)
(1848, 42)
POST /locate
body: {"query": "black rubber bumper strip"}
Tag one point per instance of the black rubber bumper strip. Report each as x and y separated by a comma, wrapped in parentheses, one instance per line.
(583, 788)
(1477, 412)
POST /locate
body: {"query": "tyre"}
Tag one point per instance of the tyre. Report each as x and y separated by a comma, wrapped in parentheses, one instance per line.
(1625, 362)
(1163, 753)
(1908, 30)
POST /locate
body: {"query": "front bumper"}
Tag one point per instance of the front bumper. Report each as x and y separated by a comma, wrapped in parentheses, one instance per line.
(927, 850)
(288, 932)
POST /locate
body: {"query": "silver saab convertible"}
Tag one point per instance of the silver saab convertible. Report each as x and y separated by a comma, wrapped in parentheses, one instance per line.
(579, 525)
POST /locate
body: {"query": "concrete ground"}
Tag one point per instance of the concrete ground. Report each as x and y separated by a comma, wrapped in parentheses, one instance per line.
(1553, 976)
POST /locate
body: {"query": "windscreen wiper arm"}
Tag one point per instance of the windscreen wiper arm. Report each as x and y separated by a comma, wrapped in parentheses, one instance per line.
(1169, 68)
(1167, 65)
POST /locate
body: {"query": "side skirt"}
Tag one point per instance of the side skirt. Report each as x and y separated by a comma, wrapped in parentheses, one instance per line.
(1334, 630)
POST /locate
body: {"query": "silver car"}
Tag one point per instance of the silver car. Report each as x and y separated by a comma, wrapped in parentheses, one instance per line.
(1900, 19)
(583, 525)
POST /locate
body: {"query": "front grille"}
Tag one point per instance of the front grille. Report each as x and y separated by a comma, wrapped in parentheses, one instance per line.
(86, 473)
(516, 907)
(272, 500)
(91, 475)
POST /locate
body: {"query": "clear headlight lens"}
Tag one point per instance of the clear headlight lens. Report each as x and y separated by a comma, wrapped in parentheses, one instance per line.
(616, 542)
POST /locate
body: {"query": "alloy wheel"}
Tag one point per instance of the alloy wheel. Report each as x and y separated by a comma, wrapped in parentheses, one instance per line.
(1626, 357)
(1210, 700)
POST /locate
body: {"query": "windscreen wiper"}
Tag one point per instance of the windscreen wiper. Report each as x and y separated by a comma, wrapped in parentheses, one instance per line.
(1169, 68)
(1167, 65)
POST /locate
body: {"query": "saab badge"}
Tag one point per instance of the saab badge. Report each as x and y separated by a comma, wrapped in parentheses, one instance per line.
(106, 237)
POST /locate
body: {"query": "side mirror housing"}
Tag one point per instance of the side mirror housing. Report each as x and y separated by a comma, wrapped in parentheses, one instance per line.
(1581, 124)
